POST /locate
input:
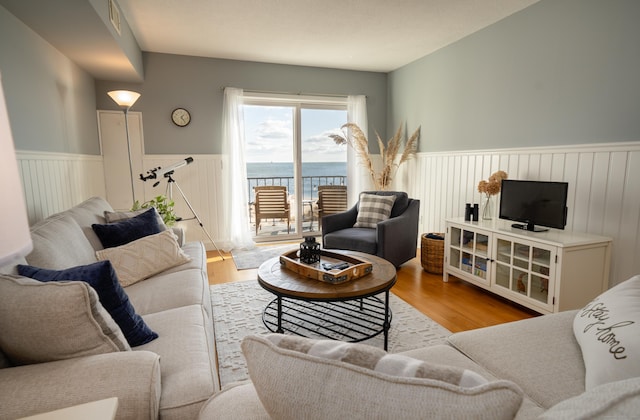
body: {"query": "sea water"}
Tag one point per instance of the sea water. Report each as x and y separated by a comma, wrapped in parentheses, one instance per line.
(281, 173)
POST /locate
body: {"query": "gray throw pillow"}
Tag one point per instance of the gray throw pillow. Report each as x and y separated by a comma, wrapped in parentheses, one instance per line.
(44, 322)
(373, 209)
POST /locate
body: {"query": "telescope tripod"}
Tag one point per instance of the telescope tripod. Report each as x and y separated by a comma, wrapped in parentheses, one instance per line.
(170, 182)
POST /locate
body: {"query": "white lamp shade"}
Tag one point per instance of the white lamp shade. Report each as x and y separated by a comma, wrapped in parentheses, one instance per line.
(14, 225)
(124, 98)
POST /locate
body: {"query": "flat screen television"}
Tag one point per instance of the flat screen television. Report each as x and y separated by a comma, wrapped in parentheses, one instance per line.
(534, 204)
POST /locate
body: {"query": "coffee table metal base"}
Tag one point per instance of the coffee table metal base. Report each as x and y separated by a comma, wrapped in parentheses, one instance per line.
(347, 320)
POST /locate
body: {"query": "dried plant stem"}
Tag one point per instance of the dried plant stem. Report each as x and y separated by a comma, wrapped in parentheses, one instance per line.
(355, 138)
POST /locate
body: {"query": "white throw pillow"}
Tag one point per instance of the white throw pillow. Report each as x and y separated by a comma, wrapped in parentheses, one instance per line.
(298, 378)
(144, 257)
(373, 209)
(608, 331)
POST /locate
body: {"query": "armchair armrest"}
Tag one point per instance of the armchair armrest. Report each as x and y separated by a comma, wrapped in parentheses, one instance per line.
(398, 236)
(339, 221)
(132, 376)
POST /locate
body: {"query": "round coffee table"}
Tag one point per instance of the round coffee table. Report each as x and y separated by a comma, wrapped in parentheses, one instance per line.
(349, 311)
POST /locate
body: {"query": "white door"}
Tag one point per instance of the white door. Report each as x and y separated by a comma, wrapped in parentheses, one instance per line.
(113, 141)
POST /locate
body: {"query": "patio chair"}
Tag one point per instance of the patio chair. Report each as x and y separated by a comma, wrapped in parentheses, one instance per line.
(332, 199)
(271, 203)
(394, 239)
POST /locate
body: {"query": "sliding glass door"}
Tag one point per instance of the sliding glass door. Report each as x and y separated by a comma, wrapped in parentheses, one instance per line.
(288, 149)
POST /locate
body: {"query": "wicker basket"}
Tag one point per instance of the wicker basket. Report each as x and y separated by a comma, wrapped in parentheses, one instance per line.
(432, 253)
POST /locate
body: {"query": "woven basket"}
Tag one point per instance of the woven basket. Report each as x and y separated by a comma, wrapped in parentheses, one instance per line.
(432, 253)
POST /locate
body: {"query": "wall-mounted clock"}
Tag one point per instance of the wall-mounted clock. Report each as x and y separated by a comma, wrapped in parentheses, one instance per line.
(180, 117)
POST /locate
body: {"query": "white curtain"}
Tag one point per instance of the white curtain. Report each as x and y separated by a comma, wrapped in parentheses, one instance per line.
(358, 179)
(236, 232)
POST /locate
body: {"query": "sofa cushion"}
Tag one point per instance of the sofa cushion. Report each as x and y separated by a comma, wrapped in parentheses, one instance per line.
(529, 353)
(608, 331)
(125, 231)
(102, 277)
(86, 214)
(187, 356)
(132, 376)
(355, 239)
(292, 384)
(144, 257)
(58, 242)
(118, 216)
(43, 322)
(446, 355)
(160, 293)
(238, 401)
(613, 400)
(373, 209)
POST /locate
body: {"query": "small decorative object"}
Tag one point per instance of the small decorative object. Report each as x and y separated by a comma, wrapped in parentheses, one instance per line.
(467, 212)
(474, 213)
(335, 271)
(355, 137)
(489, 189)
(522, 288)
(309, 250)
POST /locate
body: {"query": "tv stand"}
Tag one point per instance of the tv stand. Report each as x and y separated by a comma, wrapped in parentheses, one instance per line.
(529, 226)
(548, 272)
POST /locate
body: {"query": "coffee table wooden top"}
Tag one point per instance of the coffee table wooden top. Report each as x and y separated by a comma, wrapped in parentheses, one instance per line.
(280, 281)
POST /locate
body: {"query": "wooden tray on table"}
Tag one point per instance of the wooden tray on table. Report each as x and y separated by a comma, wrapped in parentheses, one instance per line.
(357, 267)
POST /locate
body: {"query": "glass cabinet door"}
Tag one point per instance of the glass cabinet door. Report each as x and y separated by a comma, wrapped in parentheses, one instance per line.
(525, 269)
(468, 251)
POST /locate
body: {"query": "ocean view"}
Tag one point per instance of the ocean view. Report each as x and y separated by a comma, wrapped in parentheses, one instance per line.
(313, 173)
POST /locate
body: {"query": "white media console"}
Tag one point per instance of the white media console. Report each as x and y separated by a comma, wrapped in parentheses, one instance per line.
(548, 272)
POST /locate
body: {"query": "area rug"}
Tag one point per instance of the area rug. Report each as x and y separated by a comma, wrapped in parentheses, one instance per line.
(252, 258)
(237, 312)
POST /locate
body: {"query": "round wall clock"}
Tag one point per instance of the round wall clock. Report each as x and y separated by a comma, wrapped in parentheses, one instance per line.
(180, 117)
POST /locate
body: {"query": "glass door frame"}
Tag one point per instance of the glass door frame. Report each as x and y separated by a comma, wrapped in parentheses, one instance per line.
(297, 103)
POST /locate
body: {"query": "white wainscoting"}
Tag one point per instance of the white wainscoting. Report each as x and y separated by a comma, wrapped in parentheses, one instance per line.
(53, 182)
(604, 189)
(200, 183)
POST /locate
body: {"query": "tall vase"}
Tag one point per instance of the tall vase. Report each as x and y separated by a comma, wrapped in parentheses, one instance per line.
(487, 207)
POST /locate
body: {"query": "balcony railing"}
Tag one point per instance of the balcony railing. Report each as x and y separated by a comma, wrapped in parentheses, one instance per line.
(309, 190)
(309, 184)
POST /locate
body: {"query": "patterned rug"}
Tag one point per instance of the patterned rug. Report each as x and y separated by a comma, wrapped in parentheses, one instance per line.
(252, 258)
(237, 312)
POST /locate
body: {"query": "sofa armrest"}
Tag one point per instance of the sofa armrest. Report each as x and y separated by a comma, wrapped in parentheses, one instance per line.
(540, 354)
(132, 376)
(339, 221)
(398, 236)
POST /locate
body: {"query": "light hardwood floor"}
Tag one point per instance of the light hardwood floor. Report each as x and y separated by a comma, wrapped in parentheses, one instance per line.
(456, 305)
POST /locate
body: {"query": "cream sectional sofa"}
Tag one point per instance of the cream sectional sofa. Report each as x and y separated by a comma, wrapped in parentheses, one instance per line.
(582, 364)
(169, 377)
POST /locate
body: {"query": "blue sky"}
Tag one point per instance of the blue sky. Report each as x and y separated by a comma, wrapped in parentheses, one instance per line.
(269, 134)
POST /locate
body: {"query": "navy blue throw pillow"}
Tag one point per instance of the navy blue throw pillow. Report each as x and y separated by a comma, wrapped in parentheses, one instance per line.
(128, 230)
(102, 277)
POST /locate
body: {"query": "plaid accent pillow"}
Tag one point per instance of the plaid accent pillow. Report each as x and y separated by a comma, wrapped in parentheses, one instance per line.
(377, 360)
(373, 209)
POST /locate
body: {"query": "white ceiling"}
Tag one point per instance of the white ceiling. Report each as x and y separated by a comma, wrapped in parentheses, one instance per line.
(370, 35)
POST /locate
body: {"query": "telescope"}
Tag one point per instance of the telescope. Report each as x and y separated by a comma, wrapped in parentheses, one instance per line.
(167, 171)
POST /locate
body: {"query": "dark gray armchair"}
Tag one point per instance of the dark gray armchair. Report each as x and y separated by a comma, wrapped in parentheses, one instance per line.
(395, 239)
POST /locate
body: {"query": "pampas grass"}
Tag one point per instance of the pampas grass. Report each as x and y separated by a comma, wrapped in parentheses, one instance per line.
(355, 138)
